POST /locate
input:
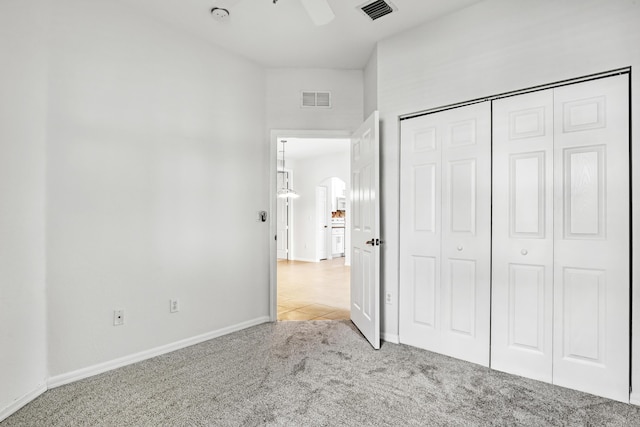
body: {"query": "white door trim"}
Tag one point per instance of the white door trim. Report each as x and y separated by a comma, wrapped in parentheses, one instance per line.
(321, 234)
(273, 179)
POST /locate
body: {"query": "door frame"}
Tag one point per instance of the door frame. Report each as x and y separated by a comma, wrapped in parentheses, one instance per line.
(273, 163)
(289, 210)
(326, 236)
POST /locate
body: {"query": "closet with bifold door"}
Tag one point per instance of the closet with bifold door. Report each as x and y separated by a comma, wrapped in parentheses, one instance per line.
(445, 232)
(515, 234)
(561, 236)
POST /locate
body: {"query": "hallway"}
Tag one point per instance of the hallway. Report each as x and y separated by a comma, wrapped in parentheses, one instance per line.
(313, 291)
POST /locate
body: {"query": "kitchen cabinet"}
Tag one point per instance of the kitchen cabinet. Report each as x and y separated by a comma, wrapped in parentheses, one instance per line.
(337, 241)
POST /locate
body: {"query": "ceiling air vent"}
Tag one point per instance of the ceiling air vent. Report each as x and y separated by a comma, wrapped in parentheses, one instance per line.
(316, 99)
(377, 9)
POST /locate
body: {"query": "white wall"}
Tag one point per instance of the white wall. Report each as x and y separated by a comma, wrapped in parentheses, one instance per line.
(370, 77)
(22, 197)
(492, 47)
(337, 188)
(309, 173)
(156, 171)
(284, 87)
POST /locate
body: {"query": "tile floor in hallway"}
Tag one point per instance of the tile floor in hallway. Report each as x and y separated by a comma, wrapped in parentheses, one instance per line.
(313, 290)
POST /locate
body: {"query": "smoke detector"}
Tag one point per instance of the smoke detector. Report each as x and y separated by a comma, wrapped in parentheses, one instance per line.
(220, 14)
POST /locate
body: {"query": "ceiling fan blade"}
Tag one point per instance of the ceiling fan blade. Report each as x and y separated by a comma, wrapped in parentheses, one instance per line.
(319, 11)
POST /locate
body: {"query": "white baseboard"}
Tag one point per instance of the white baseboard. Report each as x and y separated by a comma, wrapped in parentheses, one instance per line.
(635, 398)
(22, 401)
(392, 338)
(90, 371)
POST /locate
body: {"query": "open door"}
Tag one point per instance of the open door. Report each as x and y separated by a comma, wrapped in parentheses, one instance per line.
(365, 230)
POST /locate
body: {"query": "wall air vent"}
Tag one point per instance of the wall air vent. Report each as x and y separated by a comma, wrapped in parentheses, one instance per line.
(377, 9)
(316, 99)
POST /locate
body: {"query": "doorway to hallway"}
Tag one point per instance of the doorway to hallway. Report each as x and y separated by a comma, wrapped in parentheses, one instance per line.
(360, 171)
(313, 290)
(312, 241)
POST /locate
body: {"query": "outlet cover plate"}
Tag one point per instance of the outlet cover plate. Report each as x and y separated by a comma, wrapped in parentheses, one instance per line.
(118, 317)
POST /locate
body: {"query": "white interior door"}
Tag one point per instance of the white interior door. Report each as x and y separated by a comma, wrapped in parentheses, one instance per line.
(445, 224)
(322, 223)
(592, 237)
(365, 230)
(522, 290)
(282, 217)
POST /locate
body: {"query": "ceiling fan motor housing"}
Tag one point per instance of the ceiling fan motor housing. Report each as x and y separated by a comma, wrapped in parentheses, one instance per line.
(220, 14)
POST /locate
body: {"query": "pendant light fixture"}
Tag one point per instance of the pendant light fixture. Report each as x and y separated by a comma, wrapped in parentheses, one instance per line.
(285, 192)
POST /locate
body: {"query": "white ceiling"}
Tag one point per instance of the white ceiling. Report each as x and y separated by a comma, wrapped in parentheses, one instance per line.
(283, 35)
(304, 148)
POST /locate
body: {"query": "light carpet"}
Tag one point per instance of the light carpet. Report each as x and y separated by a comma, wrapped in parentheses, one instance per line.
(316, 373)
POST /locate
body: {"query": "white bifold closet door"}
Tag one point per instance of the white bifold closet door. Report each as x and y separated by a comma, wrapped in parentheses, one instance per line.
(522, 238)
(560, 292)
(445, 223)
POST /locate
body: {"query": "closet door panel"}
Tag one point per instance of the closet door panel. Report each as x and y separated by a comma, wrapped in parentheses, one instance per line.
(592, 237)
(466, 233)
(420, 254)
(522, 246)
(445, 232)
(526, 307)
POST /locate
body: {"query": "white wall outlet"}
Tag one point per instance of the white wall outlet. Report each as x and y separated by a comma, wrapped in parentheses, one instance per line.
(388, 298)
(118, 317)
(174, 305)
